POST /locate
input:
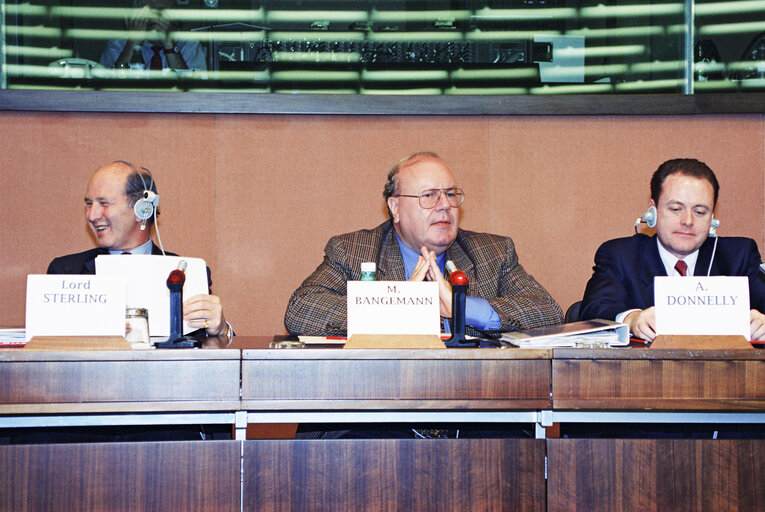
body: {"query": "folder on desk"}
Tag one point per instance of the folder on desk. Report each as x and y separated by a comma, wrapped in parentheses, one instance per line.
(587, 333)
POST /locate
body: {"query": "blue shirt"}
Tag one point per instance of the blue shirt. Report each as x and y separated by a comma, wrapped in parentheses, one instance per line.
(191, 51)
(478, 311)
(144, 248)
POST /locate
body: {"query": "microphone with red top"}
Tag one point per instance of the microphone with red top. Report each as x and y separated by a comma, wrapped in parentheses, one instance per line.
(175, 282)
(459, 282)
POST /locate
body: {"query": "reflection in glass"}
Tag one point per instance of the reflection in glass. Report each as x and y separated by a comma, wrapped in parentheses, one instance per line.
(440, 47)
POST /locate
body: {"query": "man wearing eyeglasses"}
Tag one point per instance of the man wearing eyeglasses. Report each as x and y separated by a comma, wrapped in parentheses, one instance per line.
(414, 244)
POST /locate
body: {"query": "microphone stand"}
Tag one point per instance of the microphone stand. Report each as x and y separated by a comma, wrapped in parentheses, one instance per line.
(175, 282)
(460, 284)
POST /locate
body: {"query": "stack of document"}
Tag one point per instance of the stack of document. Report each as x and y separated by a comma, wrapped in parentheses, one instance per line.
(12, 337)
(586, 334)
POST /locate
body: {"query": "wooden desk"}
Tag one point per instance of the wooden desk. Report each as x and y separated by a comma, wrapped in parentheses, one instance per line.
(139, 476)
(383, 386)
(393, 380)
(140, 381)
(95, 388)
(641, 379)
(657, 386)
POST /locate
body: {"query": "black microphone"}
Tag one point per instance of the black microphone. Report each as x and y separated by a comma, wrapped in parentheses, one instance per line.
(175, 282)
(459, 282)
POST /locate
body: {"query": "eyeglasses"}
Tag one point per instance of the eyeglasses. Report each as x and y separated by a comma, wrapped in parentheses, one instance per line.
(430, 198)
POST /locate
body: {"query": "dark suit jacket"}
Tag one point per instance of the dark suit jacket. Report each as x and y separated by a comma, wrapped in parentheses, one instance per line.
(318, 306)
(85, 262)
(625, 267)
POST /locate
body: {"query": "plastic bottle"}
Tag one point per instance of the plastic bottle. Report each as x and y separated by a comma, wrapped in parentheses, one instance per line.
(368, 269)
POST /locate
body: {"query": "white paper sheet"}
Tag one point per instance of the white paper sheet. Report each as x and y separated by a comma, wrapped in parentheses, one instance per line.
(146, 278)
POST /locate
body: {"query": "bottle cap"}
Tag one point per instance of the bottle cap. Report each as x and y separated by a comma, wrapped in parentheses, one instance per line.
(368, 266)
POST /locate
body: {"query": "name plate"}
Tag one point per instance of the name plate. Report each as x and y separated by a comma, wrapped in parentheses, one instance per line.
(75, 305)
(393, 307)
(715, 305)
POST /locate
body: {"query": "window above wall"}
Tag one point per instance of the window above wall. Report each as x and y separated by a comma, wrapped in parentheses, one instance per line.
(457, 56)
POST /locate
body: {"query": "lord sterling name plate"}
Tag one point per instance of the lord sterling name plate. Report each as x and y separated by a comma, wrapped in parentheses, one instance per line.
(75, 305)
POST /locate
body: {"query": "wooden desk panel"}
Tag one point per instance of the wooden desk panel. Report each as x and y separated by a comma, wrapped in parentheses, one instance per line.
(624, 475)
(392, 379)
(668, 380)
(422, 475)
(138, 379)
(178, 475)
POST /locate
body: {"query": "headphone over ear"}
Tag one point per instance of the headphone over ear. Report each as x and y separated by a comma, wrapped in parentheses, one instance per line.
(149, 201)
(144, 207)
(649, 217)
(713, 227)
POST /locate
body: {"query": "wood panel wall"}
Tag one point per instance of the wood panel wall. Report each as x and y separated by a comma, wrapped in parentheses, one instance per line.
(258, 196)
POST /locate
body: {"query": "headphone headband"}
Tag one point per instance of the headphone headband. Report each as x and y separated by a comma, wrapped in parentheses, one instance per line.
(146, 205)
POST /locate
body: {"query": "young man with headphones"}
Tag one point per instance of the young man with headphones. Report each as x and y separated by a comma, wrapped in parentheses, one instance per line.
(684, 194)
(121, 207)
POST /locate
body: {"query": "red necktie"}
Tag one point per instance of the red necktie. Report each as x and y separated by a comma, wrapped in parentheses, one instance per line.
(156, 59)
(681, 267)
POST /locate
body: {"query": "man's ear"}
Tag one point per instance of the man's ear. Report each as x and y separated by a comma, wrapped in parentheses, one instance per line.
(393, 207)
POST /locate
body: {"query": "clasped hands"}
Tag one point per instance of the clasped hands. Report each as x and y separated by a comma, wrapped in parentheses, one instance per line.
(642, 324)
(427, 270)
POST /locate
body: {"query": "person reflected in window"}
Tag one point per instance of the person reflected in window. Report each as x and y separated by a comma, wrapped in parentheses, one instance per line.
(151, 42)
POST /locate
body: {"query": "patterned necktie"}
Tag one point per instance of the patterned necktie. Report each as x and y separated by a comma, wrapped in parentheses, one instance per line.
(156, 59)
(681, 267)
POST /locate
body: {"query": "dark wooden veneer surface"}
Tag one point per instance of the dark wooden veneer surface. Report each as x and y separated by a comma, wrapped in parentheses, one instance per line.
(76, 377)
(138, 476)
(648, 379)
(385, 379)
(647, 475)
(370, 475)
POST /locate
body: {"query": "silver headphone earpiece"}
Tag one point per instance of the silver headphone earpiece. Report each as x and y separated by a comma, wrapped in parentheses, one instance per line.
(649, 217)
(713, 227)
(144, 207)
